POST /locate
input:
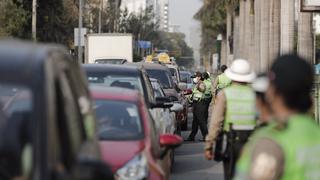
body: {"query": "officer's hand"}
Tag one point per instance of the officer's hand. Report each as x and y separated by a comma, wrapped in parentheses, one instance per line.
(208, 154)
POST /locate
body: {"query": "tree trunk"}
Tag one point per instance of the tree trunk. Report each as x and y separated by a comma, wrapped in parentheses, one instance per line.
(257, 31)
(274, 39)
(242, 28)
(229, 34)
(264, 34)
(223, 51)
(287, 26)
(306, 36)
(236, 37)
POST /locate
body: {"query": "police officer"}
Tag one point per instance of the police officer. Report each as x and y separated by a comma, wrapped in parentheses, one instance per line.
(291, 148)
(235, 110)
(222, 81)
(208, 92)
(199, 108)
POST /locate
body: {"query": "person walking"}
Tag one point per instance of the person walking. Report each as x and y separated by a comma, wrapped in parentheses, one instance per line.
(291, 148)
(199, 108)
(235, 110)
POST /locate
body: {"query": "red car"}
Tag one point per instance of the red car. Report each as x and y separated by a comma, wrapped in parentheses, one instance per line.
(129, 139)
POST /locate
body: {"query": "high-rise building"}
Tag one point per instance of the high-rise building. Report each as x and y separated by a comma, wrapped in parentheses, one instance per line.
(135, 6)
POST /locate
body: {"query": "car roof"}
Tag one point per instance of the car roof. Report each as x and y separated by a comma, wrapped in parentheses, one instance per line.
(152, 66)
(21, 62)
(114, 93)
(111, 68)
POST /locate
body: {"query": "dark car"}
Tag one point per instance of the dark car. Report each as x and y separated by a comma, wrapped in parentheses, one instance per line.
(47, 125)
(163, 74)
(125, 124)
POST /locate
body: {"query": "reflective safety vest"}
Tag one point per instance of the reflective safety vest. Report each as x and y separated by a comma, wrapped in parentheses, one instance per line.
(208, 92)
(300, 143)
(196, 94)
(240, 107)
(223, 81)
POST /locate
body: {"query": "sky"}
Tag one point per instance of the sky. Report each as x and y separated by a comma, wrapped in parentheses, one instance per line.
(181, 13)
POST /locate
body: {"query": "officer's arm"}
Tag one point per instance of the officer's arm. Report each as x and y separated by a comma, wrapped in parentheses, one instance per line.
(217, 117)
(267, 161)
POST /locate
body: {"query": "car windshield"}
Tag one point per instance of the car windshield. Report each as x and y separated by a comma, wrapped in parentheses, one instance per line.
(173, 71)
(118, 120)
(122, 81)
(186, 77)
(15, 129)
(109, 61)
(163, 76)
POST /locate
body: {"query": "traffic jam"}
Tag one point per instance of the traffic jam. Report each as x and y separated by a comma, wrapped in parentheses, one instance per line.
(109, 118)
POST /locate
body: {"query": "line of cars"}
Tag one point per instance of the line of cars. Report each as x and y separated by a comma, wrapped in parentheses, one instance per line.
(52, 129)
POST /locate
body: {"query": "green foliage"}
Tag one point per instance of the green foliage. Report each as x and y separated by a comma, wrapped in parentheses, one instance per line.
(212, 16)
(318, 41)
(12, 18)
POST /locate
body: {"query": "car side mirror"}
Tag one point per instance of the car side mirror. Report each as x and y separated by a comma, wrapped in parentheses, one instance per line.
(169, 141)
(182, 86)
(177, 107)
(162, 102)
(187, 92)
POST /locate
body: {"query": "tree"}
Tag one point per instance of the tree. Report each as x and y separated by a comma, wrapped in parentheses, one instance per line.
(13, 18)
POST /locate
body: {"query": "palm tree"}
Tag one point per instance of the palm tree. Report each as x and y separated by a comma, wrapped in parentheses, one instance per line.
(306, 36)
(287, 26)
(274, 39)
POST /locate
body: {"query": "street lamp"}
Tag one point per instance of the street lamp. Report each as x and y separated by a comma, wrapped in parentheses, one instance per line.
(219, 39)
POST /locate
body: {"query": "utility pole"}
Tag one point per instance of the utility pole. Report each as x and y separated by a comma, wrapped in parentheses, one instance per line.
(34, 20)
(100, 15)
(79, 32)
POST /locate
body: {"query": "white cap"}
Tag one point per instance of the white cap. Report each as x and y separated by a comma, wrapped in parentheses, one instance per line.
(260, 84)
(240, 71)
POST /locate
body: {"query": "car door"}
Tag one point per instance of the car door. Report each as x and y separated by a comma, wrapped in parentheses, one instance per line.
(66, 132)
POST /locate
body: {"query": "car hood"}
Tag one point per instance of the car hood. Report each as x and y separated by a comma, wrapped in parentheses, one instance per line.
(171, 92)
(118, 153)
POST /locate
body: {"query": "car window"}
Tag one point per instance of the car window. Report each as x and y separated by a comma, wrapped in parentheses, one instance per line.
(163, 76)
(158, 92)
(148, 87)
(117, 81)
(118, 120)
(16, 103)
(186, 77)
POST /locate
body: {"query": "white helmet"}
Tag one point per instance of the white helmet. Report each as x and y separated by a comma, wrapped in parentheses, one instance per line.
(240, 71)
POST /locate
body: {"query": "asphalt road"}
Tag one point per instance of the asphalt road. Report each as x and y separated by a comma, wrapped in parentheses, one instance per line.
(190, 163)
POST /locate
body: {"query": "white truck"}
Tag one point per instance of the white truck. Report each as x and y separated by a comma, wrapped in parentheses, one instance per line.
(111, 48)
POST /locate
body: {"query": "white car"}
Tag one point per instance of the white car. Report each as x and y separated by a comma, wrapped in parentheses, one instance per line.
(165, 118)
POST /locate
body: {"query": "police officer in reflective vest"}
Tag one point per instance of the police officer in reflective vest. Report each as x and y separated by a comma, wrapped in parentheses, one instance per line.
(235, 111)
(208, 92)
(290, 149)
(222, 81)
(199, 108)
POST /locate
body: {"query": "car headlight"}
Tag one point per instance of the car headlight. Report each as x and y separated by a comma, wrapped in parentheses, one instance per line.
(135, 169)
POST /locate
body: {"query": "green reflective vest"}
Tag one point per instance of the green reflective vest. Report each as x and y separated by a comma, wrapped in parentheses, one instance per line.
(300, 143)
(196, 94)
(208, 92)
(223, 81)
(240, 107)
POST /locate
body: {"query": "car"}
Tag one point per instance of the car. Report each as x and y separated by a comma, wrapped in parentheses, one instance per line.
(186, 78)
(111, 60)
(138, 150)
(167, 122)
(163, 74)
(47, 128)
(130, 77)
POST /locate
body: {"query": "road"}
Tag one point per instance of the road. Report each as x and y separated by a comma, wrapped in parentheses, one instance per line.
(190, 163)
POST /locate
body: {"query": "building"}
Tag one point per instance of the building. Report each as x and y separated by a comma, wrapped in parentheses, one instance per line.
(135, 6)
(317, 23)
(160, 9)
